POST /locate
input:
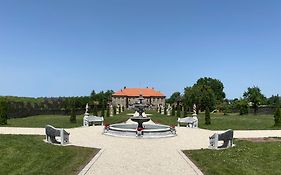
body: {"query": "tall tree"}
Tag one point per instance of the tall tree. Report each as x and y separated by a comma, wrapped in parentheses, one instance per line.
(3, 112)
(214, 84)
(174, 97)
(207, 116)
(254, 96)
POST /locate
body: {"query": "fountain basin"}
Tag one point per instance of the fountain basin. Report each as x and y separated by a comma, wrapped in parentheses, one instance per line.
(148, 131)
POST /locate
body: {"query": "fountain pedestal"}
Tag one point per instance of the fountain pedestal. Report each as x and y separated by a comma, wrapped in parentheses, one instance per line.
(140, 120)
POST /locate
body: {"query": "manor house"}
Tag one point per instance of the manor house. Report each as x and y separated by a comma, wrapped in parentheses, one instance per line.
(128, 96)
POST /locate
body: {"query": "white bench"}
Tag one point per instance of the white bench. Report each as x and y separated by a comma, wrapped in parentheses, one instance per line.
(191, 122)
(226, 137)
(88, 120)
(52, 133)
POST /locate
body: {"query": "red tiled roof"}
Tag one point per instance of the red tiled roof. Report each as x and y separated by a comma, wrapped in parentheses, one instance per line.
(134, 92)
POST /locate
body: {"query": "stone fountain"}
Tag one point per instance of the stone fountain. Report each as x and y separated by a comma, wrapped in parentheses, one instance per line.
(141, 129)
(139, 107)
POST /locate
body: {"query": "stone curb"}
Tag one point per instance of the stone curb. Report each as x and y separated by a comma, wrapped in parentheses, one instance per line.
(85, 170)
(190, 163)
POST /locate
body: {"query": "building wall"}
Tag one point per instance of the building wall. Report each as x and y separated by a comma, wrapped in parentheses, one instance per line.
(155, 101)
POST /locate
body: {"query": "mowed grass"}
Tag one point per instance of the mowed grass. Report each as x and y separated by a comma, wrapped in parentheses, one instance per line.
(120, 118)
(223, 122)
(218, 121)
(40, 121)
(29, 155)
(238, 122)
(246, 158)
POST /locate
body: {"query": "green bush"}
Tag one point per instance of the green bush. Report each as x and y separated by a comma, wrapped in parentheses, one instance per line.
(114, 110)
(207, 116)
(277, 117)
(178, 111)
(102, 112)
(165, 110)
(95, 111)
(173, 111)
(107, 112)
(243, 107)
(3, 112)
(73, 116)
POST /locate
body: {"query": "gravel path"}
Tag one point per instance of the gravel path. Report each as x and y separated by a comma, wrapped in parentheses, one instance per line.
(141, 156)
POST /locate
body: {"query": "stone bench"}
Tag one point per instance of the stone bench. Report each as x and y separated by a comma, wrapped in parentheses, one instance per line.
(191, 122)
(92, 120)
(226, 137)
(52, 133)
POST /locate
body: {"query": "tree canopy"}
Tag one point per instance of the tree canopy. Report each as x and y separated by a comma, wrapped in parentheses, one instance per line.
(207, 92)
(253, 95)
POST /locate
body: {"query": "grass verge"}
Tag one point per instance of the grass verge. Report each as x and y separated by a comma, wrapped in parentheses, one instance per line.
(245, 158)
(29, 155)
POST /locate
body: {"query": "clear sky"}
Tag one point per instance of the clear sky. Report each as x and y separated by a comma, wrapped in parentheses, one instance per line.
(69, 48)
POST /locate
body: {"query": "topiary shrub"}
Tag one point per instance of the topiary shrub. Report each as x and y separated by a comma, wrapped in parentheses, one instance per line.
(173, 111)
(207, 116)
(114, 110)
(102, 112)
(107, 112)
(277, 117)
(3, 112)
(73, 116)
(178, 111)
(184, 111)
(95, 111)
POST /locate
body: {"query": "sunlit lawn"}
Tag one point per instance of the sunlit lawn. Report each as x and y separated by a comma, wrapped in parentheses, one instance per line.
(245, 158)
(219, 121)
(29, 155)
(40, 121)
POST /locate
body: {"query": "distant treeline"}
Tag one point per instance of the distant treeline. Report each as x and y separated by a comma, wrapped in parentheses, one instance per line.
(27, 106)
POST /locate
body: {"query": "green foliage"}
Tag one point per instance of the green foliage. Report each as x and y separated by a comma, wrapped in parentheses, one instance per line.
(243, 106)
(185, 111)
(102, 98)
(3, 112)
(207, 92)
(246, 158)
(173, 111)
(174, 97)
(73, 116)
(277, 117)
(178, 111)
(273, 100)
(114, 110)
(207, 116)
(95, 110)
(107, 112)
(103, 112)
(254, 96)
(22, 154)
(225, 107)
(214, 84)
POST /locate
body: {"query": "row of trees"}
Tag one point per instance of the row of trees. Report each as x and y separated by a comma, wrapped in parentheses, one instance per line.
(208, 95)
(25, 106)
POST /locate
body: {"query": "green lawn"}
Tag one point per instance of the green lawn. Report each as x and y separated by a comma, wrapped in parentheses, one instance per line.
(246, 158)
(219, 121)
(29, 155)
(40, 121)
(120, 118)
(238, 122)
(223, 122)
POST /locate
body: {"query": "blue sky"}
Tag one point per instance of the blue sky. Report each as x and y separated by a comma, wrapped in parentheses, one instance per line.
(69, 48)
